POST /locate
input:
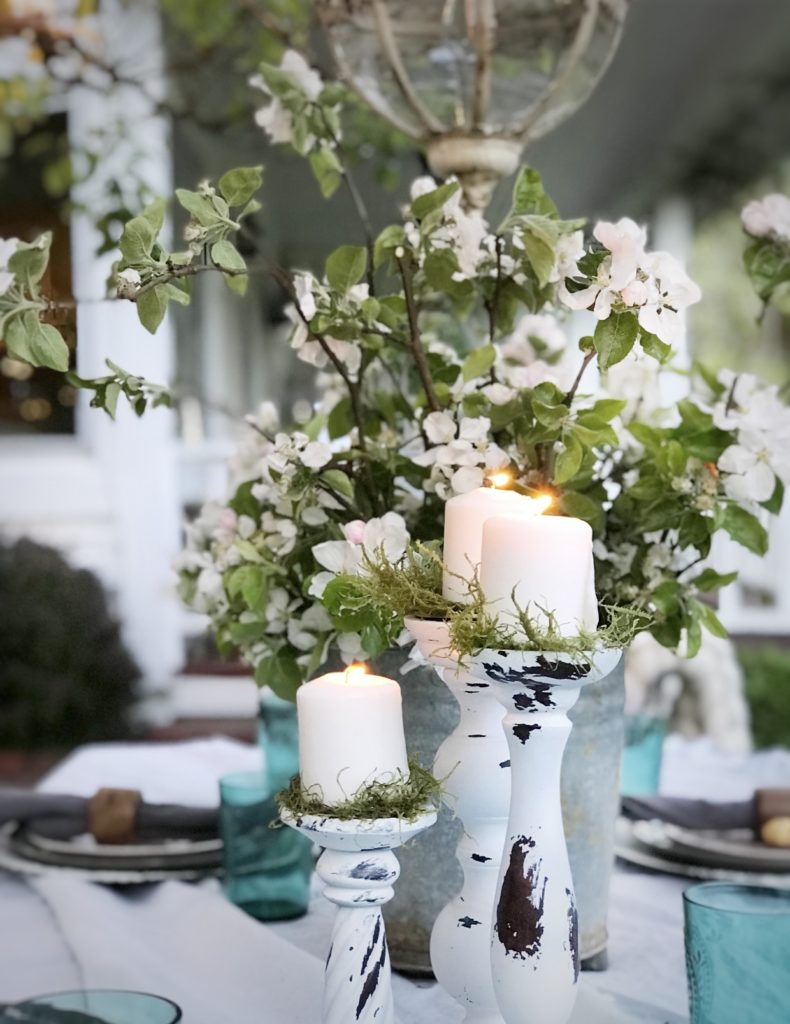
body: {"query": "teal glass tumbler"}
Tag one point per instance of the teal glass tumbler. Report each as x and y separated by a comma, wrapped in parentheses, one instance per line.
(278, 737)
(266, 869)
(737, 953)
(640, 771)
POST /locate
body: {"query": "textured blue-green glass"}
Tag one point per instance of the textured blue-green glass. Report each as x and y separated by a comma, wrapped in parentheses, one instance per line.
(278, 735)
(266, 870)
(97, 1007)
(641, 766)
(737, 954)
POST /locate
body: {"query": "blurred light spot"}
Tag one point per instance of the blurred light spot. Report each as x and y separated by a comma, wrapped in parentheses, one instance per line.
(14, 369)
(302, 410)
(33, 410)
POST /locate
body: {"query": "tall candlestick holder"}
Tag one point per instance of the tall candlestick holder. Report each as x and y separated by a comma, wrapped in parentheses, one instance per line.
(534, 938)
(359, 870)
(473, 762)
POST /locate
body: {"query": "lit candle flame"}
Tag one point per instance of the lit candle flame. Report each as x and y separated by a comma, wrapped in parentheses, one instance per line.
(355, 672)
(540, 504)
(502, 479)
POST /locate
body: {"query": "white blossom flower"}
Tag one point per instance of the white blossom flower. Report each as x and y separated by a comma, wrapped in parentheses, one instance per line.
(439, 427)
(246, 527)
(474, 429)
(567, 253)
(767, 216)
(304, 288)
(499, 394)
(387, 536)
(275, 119)
(314, 515)
(127, 282)
(670, 292)
(316, 454)
(350, 647)
(467, 479)
(749, 475)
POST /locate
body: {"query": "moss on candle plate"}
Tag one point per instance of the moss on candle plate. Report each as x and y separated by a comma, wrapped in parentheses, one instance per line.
(379, 600)
(406, 800)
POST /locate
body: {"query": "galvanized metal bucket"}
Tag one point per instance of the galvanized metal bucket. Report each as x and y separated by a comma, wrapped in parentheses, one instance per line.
(430, 873)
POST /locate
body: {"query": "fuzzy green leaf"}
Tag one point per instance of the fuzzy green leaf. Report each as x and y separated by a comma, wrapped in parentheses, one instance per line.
(346, 266)
(614, 338)
(227, 256)
(478, 362)
(327, 169)
(568, 461)
(744, 528)
(339, 482)
(435, 200)
(152, 306)
(708, 618)
(529, 196)
(239, 185)
(30, 260)
(281, 673)
(30, 341)
(655, 347)
(200, 206)
(709, 580)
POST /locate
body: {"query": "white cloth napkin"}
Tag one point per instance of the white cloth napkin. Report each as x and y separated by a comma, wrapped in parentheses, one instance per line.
(187, 943)
(185, 773)
(697, 768)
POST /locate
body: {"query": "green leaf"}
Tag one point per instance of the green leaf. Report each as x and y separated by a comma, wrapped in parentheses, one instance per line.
(744, 528)
(529, 196)
(137, 240)
(708, 618)
(200, 206)
(478, 362)
(30, 341)
(775, 502)
(248, 551)
(154, 215)
(666, 597)
(339, 482)
(709, 580)
(327, 169)
(239, 185)
(676, 459)
(582, 506)
(250, 581)
(29, 262)
(549, 415)
(435, 200)
(568, 461)
(340, 419)
(346, 266)
(655, 347)
(614, 338)
(693, 417)
(387, 241)
(693, 633)
(607, 408)
(152, 306)
(281, 673)
(539, 235)
(111, 395)
(707, 444)
(227, 256)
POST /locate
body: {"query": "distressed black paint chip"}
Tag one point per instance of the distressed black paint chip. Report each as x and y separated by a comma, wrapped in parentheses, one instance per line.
(523, 731)
(519, 914)
(468, 922)
(504, 764)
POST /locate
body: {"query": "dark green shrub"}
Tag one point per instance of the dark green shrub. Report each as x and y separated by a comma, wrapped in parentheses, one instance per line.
(65, 676)
(767, 672)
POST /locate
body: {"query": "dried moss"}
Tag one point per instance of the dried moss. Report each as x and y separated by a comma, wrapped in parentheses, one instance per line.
(405, 800)
(413, 589)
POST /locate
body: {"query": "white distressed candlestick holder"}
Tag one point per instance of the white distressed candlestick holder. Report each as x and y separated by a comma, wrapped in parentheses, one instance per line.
(474, 764)
(359, 870)
(534, 939)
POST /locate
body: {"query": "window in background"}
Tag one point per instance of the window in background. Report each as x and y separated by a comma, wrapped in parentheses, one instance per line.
(31, 177)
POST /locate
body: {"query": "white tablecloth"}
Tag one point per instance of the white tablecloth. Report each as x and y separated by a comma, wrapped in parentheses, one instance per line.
(187, 942)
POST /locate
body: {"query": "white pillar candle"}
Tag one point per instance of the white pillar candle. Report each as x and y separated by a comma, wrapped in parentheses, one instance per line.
(464, 517)
(548, 561)
(350, 733)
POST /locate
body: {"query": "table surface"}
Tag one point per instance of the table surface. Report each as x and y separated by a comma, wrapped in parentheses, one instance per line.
(187, 942)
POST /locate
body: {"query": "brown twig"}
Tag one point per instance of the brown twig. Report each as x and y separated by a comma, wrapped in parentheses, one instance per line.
(416, 341)
(575, 386)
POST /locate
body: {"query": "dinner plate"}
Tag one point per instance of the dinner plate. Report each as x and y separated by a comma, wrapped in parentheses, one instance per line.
(652, 849)
(735, 848)
(157, 865)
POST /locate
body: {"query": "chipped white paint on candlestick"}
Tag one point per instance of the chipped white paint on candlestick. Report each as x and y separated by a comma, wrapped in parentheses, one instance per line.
(359, 870)
(534, 947)
(474, 762)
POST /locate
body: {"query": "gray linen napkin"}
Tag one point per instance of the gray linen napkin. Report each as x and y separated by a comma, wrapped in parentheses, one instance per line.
(697, 814)
(62, 816)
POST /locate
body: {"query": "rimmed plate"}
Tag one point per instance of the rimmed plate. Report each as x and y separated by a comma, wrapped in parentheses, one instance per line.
(154, 865)
(736, 848)
(654, 851)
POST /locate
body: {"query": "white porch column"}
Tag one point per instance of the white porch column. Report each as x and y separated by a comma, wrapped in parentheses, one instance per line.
(137, 457)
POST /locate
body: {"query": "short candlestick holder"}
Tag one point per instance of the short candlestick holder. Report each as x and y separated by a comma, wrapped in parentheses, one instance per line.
(534, 943)
(360, 870)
